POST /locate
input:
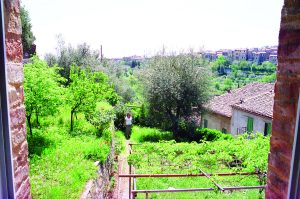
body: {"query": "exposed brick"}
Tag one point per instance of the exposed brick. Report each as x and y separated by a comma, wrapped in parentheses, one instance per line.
(15, 74)
(280, 164)
(14, 50)
(17, 117)
(15, 77)
(285, 101)
(20, 176)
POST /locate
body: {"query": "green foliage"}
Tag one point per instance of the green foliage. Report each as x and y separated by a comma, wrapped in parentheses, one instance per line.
(207, 134)
(84, 90)
(64, 170)
(243, 154)
(120, 142)
(65, 57)
(174, 86)
(61, 163)
(140, 134)
(27, 35)
(43, 94)
(100, 119)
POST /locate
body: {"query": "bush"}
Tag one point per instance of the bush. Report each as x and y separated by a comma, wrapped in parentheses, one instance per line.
(120, 142)
(207, 134)
(100, 119)
(149, 135)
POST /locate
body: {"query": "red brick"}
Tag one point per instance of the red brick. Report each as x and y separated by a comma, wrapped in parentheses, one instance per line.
(14, 50)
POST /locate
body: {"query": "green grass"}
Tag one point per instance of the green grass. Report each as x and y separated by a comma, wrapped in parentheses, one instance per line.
(61, 162)
(144, 134)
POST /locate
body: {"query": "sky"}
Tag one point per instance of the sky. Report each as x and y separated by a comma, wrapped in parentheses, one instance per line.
(143, 27)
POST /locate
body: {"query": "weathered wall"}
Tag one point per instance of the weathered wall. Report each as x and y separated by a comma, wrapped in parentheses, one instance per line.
(216, 121)
(239, 119)
(15, 78)
(100, 187)
(285, 104)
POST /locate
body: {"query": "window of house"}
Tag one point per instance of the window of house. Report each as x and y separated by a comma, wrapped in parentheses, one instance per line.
(268, 129)
(205, 123)
(250, 124)
(224, 130)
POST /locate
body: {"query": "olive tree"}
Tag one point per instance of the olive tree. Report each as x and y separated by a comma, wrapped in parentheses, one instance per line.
(175, 86)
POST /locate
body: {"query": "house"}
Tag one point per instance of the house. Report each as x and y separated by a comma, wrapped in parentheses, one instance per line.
(246, 109)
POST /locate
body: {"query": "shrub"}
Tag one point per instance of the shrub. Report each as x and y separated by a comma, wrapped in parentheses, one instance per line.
(120, 142)
(100, 119)
(207, 134)
(149, 135)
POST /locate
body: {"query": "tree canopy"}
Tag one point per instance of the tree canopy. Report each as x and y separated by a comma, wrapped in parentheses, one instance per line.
(175, 86)
(43, 94)
(27, 35)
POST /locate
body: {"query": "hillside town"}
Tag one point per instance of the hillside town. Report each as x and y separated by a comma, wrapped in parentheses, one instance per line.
(255, 55)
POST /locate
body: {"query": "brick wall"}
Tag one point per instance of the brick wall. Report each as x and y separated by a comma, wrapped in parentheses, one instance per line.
(285, 104)
(15, 78)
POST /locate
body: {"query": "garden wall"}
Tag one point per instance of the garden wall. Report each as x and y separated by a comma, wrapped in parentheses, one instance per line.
(100, 188)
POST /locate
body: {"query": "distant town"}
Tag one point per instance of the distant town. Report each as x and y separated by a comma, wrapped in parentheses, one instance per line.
(255, 55)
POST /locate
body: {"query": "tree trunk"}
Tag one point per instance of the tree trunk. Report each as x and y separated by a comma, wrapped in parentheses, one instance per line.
(29, 124)
(72, 113)
(37, 119)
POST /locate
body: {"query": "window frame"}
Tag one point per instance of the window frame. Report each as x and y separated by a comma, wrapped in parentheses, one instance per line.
(7, 188)
(250, 123)
(294, 179)
(205, 123)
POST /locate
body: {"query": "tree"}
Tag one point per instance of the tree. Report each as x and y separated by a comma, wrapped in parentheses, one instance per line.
(175, 85)
(85, 89)
(27, 35)
(220, 64)
(82, 56)
(42, 91)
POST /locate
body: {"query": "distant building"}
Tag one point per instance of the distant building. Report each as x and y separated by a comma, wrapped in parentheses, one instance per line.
(240, 54)
(249, 108)
(273, 59)
(259, 57)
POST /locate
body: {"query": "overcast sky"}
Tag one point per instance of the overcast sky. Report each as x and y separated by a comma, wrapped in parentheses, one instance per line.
(142, 27)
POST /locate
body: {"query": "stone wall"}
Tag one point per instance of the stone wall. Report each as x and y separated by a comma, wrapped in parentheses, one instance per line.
(15, 79)
(285, 104)
(100, 187)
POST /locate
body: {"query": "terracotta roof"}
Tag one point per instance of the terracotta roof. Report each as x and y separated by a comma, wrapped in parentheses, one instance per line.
(257, 98)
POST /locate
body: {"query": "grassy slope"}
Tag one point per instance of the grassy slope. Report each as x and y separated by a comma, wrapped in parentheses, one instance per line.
(60, 163)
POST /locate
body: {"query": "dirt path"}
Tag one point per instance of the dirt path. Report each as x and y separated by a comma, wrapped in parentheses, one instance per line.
(123, 184)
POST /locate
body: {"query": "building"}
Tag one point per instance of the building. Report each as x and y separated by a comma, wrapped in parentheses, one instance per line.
(273, 59)
(249, 108)
(240, 54)
(259, 57)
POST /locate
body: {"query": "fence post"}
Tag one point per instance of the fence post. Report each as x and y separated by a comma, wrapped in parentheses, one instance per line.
(147, 196)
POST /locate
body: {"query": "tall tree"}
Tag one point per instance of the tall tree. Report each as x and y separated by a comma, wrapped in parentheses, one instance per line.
(175, 85)
(27, 35)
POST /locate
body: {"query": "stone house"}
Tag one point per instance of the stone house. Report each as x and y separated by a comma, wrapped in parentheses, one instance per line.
(249, 108)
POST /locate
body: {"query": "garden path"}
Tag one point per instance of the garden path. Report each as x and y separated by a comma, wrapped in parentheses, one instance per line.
(123, 184)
